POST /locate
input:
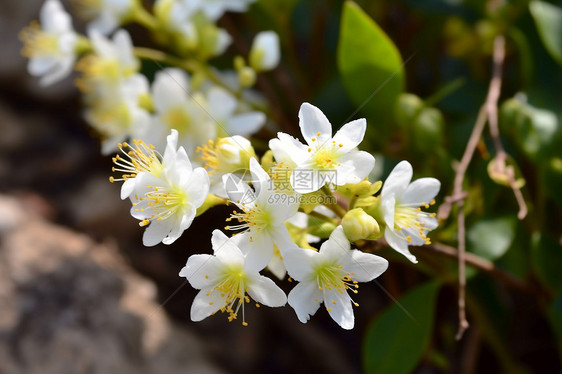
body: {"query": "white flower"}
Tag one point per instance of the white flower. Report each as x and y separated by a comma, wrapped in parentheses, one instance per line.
(50, 46)
(177, 108)
(325, 159)
(118, 115)
(264, 54)
(224, 279)
(140, 157)
(105, 15)
(167, 202)
(400, 203)
(223, 108)
(224, 156)
(112, 62)
(176, 16)
(327, 275)
(214, 9)
(263, 215)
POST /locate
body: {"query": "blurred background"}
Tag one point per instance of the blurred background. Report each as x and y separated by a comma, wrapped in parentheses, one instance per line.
(80, 294)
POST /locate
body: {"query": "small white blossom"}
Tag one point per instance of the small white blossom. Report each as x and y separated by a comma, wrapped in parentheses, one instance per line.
(323, 155)
(50, 45)
(105, 15)
(225, 278)
(263, 216)
(265, 54)
(327, 276)
(178, 108)
(400, 203)
(223, 108)
(166, 200)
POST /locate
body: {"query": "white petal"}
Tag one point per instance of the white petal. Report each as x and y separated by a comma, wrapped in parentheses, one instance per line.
(337, 246)
(221, 103)
(169, 89)
(223, 41)
(364, 266)
(351, 134)
(421, 191)
(238, 191)
(399, 244)
(246, 124)
(38, 66)
(305, 299)
(181, 224)
(276, 266)
(258, 249)
(265, 291)
(398, 180)
(201, 271)
(206, 303)
(198, 187)
(288, 150)
(312, 121)
(389, 206)
(127, 188)
(266, 46)
(339, 307)
(156, 232)
(355, 166)
(298, 262)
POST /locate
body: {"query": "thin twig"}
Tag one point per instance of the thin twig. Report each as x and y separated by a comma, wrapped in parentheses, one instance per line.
(484, 265)
(488, 111)
(500, 167)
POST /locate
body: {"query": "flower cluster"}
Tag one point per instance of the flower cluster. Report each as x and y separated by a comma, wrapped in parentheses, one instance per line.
(297, 209)
(192, 97)
(274, 234)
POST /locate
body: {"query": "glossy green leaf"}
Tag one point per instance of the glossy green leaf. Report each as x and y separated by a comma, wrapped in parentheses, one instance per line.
(548, 19)
(369, 63)
(491, 238)
(396, 341)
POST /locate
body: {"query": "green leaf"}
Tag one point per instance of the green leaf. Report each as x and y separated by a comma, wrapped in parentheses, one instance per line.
(548, 19)
(396, 341)
(370, 64)
(546, 255)
(491, 238)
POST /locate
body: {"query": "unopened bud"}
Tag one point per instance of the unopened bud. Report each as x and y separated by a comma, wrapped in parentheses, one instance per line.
(247, 77)
(359, 225)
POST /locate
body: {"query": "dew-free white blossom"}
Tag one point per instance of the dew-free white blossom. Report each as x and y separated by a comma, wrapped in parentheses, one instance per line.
(324, 158)
(263, 214)
(265, 53)
(224, 156)
(223, 108)
(166, 201)
(111, 63)
(326, 277)
(400, 203)
(105, 15)
(50, 45)
(177, 107)
(118, 115)
(225, 278)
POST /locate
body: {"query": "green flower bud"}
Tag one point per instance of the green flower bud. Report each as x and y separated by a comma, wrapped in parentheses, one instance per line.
(247, 77)
(428, 129)
(359, 225)
(406, 109)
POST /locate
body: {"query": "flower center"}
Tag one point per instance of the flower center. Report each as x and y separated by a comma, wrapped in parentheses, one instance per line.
(38, 43)
(331, 276)
(233, 288)
(165, 202)
(254, 219)
(178, 118)
(138, 158)
(408, 217)
(325, 156)
(99, 71)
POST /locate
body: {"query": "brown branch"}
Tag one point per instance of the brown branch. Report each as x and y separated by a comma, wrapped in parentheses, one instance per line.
(500, 167)
(483, 265)
(488, 111)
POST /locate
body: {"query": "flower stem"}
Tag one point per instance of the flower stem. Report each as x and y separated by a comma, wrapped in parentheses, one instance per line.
(336, 208)
(323, 217)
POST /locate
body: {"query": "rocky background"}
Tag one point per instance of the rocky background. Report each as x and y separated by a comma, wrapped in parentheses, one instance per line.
(78, 291)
